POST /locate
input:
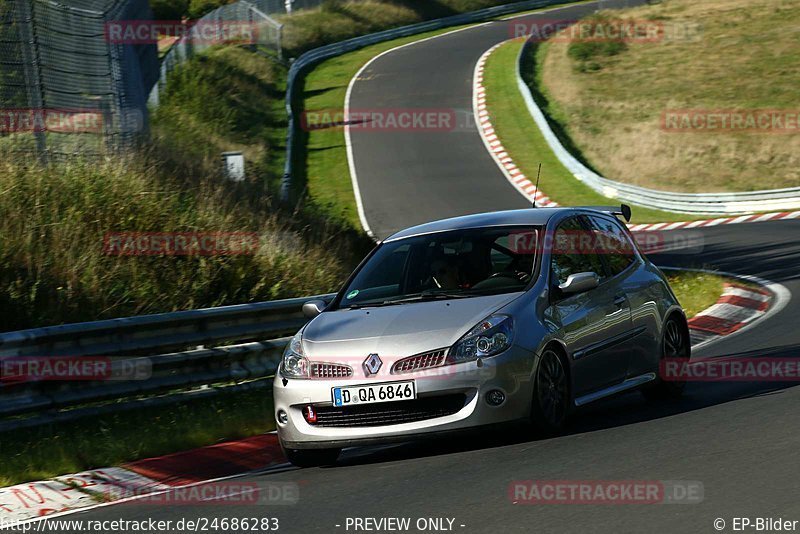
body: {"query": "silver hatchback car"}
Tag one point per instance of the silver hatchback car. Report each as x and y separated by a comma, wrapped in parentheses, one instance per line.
(477, 320)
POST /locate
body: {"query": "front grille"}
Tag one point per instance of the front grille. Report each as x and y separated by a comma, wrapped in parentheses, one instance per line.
(390, 413)
(419, 361)
(330, 370)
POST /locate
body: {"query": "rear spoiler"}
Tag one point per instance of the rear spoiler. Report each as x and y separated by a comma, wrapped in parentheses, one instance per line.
(622, 209)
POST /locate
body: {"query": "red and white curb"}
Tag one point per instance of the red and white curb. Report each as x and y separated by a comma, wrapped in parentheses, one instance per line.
(528, 188)
(62, 495)
(493, 143)
(757, 217)
(738, 306)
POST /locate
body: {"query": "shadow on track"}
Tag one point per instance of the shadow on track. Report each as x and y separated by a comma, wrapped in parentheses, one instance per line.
(768, 250)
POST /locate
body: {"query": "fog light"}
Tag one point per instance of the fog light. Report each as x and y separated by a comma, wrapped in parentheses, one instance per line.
(495, 397)
(283, 417)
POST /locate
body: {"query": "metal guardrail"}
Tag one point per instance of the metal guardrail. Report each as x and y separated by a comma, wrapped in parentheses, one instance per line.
(248, 340)
(695, 203)
(325, 52)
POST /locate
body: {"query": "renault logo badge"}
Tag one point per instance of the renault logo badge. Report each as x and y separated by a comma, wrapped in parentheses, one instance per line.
(372, 364)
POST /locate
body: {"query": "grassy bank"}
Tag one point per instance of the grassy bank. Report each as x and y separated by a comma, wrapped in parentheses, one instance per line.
(54, 268)
(527, 146)
(716, 55)
(46, 452)
(337, 20)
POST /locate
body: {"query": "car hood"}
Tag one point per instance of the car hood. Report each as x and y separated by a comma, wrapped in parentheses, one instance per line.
(396, 331)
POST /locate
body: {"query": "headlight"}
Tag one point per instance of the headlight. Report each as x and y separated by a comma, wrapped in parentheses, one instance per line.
(294, 364)
(491, 336)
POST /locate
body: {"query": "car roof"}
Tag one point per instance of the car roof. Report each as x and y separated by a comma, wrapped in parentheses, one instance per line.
(528, 216)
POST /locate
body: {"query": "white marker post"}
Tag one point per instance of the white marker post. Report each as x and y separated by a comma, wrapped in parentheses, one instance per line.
(233, 165)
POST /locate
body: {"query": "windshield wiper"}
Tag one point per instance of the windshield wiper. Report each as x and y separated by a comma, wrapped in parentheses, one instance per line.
(417, 297)
(427, 295)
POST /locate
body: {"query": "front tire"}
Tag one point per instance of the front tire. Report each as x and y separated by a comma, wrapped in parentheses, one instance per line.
(311, 457)
(675, 344)
(551, 397)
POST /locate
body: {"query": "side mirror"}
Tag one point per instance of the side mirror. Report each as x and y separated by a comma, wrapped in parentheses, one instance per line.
(312, 308)
(579, 282)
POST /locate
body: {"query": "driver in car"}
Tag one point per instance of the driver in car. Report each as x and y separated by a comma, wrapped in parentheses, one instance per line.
(445, 274)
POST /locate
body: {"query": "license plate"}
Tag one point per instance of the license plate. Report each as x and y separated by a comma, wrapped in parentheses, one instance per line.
(388, 392)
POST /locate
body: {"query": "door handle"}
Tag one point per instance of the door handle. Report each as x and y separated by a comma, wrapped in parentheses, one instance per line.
(620, 301)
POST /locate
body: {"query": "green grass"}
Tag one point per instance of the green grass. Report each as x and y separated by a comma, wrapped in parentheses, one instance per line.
(53, 268)
(46, 452)
(696, 291)
(715, 55)
(527, 146)
(226, 99)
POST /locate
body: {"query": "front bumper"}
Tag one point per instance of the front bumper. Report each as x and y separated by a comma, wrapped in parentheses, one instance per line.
(509, 372)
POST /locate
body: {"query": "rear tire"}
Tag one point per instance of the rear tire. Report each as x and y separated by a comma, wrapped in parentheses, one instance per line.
(551, 396)
(311, 457)
(675, 344)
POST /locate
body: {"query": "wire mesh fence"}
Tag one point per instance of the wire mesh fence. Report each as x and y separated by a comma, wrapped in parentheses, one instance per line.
(65, 88)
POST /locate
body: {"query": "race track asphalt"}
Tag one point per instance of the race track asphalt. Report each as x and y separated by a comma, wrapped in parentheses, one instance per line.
(740, 440)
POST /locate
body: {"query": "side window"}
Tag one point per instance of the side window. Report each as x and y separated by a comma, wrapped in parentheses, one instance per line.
(573, 251)
(613, 243)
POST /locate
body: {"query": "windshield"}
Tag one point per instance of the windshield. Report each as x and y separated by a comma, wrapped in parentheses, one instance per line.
(455, 264)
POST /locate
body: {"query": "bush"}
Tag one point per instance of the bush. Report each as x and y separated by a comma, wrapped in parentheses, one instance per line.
(589, 53)
(169, 9)
(198, 8)
(588, 50)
